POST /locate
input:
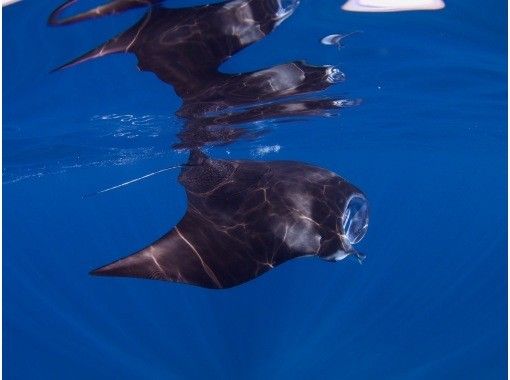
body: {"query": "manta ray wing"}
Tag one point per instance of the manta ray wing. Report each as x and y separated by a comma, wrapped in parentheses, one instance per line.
(184, 46)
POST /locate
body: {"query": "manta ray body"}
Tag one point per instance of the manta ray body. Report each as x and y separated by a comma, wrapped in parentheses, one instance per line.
(245, 218)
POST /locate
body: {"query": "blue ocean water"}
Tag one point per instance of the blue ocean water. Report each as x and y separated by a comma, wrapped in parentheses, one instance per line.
(427, 145)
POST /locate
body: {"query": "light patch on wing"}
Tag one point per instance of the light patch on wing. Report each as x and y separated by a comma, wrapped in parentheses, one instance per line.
(319, 175)
(152, 256)
(282, 78)
(246, 30)
(206, 267)
(299, 231)
(302, 237)
(302, 203)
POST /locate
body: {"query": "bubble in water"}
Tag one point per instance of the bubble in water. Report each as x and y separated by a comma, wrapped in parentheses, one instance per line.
(334, 75)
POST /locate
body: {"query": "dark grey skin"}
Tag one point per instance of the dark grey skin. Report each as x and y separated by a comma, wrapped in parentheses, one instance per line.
(245, 218)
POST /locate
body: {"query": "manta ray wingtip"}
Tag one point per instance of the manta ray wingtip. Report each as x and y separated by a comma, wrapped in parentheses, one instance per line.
(139, 265)
(95, 272)
(102, 271)
(130, 266)
(95, 53)
(58, 68)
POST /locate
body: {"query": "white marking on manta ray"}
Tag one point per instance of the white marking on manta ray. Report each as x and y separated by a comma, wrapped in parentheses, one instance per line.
(283, 81)
(300, 229)
(244, 31)
(206, 267)
(149, 14)
(151, 255)
(302, 204)
(309, 219)
(302, 237)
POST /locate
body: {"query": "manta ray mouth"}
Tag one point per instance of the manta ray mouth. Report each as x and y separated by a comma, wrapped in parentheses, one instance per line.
(355, 220)
(354, 224)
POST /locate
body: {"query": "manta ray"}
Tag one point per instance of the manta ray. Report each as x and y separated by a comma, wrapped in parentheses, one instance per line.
(185, 47)
(243, 217)
(246, 217)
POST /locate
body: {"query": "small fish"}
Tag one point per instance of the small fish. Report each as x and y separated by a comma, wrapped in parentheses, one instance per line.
(336, 39)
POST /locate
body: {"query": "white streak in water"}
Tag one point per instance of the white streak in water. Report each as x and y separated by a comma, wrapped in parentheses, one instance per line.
(135, 180)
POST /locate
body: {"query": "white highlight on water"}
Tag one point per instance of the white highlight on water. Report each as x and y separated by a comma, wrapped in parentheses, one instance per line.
(8, 2)
(392, 5)
(263, 150)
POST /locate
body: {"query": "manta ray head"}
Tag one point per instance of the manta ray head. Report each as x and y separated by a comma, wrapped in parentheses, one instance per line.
(352, 225)
(345, 224)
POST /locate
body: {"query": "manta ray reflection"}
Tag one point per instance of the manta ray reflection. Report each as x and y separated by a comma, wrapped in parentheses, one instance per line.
(243, 217)
(185, 47)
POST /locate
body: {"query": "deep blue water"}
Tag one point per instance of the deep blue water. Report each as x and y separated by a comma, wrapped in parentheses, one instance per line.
(427, 145)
